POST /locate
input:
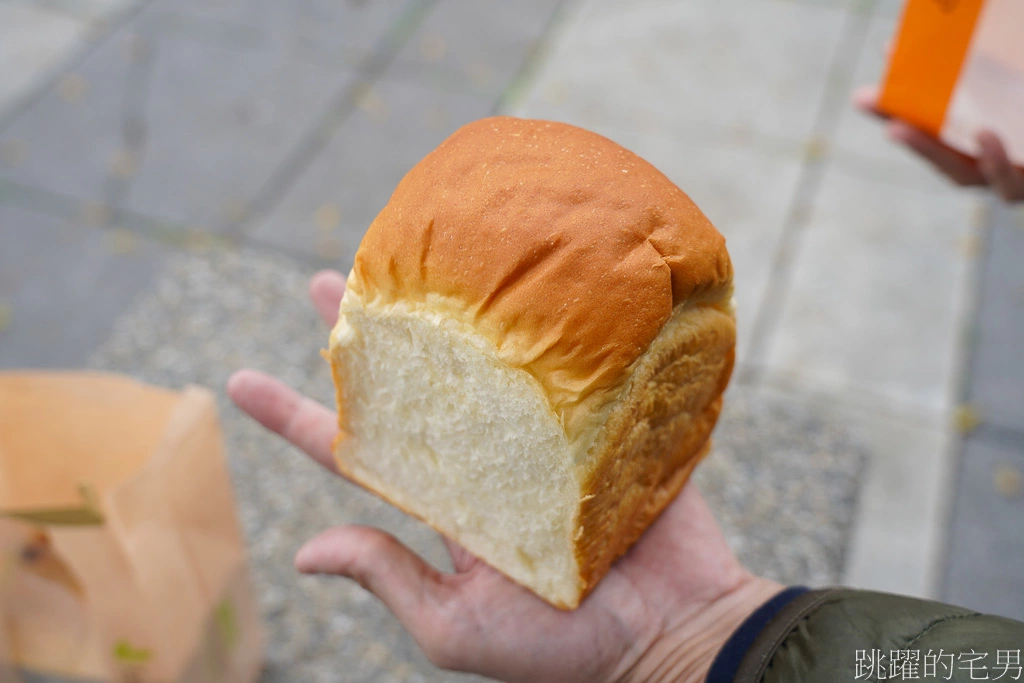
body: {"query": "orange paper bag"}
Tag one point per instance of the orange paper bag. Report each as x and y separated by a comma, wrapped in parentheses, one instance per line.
(121, 556)
(957, 68)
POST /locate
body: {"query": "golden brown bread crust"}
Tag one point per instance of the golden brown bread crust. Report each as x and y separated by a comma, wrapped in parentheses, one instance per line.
(339, 397)
(594, 567)
(655, 437)
(565, 250)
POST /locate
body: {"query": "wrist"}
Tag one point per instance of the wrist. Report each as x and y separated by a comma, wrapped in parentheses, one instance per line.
(684, 652)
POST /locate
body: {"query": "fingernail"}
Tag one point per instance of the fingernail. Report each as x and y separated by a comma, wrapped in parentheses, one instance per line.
(304, 560)
(235, 381)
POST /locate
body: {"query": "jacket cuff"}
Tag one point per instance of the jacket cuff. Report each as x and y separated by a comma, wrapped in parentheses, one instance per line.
(727, 663)
(759, 653)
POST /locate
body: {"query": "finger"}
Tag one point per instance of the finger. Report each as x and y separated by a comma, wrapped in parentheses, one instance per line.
(865, 98)
(995, 165)
(284, 411)
(326, 289)
(408, 586)
(956, 166)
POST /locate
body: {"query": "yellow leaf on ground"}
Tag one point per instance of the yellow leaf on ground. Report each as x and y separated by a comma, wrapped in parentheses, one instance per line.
(327, 217)
(1009, 481)
(6, 313)
(328, 248)
(72, 88)
(815, 148)
(12, 152)
(122, 241)
(235, 210)
(966, 418)
(433, 48)
(95, 214)
(123, 164)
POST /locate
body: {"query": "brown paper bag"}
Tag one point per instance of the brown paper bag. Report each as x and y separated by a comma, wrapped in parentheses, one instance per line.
(121, 556)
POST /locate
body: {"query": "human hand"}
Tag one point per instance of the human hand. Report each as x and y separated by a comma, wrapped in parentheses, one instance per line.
(992, 168)
(661, 613)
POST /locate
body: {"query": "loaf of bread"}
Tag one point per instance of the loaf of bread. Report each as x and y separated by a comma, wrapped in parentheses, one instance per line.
(532, 348)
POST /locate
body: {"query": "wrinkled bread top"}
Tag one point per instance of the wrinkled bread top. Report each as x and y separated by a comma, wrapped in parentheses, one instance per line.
(565, 250)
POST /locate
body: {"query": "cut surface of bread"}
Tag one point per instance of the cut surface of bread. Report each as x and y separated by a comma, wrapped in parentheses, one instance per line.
(531, 349)
(434, 422)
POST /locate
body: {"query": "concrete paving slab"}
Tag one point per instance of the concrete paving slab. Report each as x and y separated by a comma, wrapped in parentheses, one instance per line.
(986, 547)
(678, 63)
(995, 387)
(877, 294)
(33, 40)
(70, 140)
(332, 32)
(62, 286)
(212, 142)
(320, 31)
(745, 190)
(240, 25)
(479, 45)
(328, 208)
(899, 532)
(92, 10)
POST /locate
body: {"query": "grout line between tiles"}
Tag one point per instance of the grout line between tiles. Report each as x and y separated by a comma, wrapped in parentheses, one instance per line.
(536, 56)
(830, 110)
(342, 105)
(95, 37)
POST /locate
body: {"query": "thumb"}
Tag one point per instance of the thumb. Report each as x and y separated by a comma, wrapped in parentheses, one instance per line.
(411, 589)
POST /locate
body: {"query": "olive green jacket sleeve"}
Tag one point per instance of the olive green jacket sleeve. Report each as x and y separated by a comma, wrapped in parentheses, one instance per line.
(830, 635)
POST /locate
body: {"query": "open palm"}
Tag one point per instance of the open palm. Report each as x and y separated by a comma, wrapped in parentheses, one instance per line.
(664, 608)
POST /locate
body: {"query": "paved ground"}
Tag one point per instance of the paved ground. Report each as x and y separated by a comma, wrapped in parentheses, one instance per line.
(986, 548)
(172, 171)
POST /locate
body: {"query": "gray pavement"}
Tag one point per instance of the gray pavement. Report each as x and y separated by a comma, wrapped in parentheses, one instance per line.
(986, 547)
(172, 171)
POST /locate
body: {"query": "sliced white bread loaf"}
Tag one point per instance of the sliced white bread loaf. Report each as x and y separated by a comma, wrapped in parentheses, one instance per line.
(532, 348)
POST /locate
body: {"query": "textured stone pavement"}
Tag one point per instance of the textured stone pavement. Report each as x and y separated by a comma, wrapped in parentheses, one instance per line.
(172, 171)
